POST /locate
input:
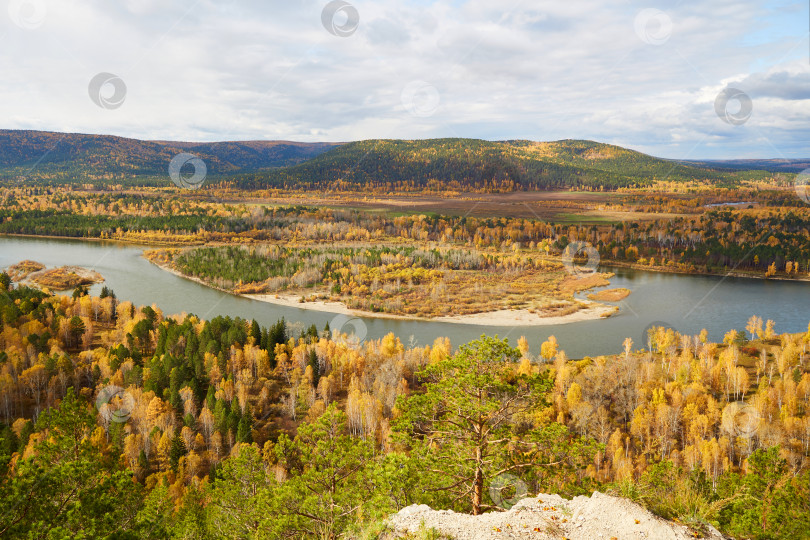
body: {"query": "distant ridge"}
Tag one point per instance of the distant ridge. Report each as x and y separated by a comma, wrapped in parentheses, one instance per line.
(456, 164)
(83, 157)
(772, 165)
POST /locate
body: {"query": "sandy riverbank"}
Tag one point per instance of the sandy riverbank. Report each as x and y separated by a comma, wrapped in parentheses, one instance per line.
(523, 317)
(503, 317)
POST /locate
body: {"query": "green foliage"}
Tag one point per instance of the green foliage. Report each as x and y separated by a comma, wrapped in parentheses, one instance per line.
(80, 291)
(330, 483)
(55, 158)
(236, 499)
(189, 522)
(106, 292)
(478, 165)
(60, 223)
(154, 520)
(178, 450)
(723, 245)
(231, 265)
(68, 488)
(9, 443)
(673, 493)
(244, 430)
(473, 421)
(771, 501)
(22, 301)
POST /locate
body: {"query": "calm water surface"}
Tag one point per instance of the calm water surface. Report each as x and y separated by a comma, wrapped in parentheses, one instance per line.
(686, 303)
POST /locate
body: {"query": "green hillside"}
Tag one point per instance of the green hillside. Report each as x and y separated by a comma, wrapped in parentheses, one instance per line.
(441, 164)
(476, 164)
(74, 157)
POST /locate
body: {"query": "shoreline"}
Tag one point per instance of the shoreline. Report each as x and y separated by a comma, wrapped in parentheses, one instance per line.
(731, 273)
(503, 317)
(132, 243)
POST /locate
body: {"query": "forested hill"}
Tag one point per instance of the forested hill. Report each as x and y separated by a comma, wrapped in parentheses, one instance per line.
(463, 164)
(485, 165)
(66, 157)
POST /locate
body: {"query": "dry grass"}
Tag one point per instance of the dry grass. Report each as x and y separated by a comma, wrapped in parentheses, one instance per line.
(577, 283)
(610, 295)
(65, 277)
(472, 292)
(22, 270)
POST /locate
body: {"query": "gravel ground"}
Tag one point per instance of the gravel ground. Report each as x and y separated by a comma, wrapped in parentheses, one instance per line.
(547, 517)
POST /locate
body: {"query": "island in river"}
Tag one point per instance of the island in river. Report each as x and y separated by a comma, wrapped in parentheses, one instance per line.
(61, 278)
(490, 289)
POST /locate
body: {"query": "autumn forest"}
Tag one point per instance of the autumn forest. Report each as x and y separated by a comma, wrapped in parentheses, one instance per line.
(122, 421)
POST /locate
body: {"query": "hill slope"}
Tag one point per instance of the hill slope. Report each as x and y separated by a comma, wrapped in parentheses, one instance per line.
(477, 164)
(459, 164)
(79, 157)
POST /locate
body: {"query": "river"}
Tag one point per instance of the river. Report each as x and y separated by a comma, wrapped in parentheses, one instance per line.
(686, 303)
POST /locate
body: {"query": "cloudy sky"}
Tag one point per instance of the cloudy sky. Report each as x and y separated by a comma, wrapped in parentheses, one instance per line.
(646, 75)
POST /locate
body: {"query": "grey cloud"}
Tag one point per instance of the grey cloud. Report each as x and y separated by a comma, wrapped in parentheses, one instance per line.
(782, 84)
(543, 70)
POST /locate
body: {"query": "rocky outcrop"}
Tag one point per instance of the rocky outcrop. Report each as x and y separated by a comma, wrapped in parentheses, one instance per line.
(550, 517)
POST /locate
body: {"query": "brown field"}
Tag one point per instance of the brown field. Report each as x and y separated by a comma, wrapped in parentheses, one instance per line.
(559, 206)
(555, 206)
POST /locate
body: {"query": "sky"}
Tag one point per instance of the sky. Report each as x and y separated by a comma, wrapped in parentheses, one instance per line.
(690, 79)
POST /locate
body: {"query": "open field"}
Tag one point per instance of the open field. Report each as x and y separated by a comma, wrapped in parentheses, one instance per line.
(557, 206)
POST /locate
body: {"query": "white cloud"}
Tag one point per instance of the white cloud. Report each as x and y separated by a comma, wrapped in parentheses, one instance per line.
(538, 69)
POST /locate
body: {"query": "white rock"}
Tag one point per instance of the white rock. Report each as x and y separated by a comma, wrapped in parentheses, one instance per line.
(598, 516)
